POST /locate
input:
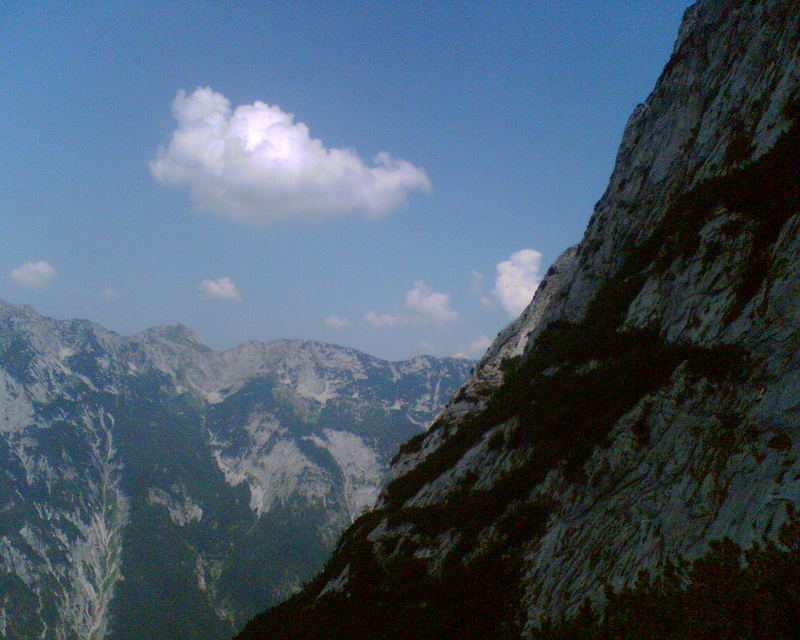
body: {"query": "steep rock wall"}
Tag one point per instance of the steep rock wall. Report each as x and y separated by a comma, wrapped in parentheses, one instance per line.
(647, 401)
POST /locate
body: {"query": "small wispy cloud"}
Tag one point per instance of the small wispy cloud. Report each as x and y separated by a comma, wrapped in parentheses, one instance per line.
(255, 164)
(429, 304)
(422, 304)
(221, 289)
(33, 275)
(336, 322)
(517, 280)
(477, 287)
(110, 293)
(474, 349)
(384, 320)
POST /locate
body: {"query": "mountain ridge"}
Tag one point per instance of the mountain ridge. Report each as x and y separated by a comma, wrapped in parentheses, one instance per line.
(121, 457)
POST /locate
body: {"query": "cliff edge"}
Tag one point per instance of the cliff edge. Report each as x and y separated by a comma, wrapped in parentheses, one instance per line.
(646, 402)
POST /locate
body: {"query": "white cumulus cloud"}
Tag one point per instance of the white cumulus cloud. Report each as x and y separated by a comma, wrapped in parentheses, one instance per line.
(34, 275)
(517, 280)
(255, 164)
(422, 304)
(336, 322)
(221, 288)
(430, 304)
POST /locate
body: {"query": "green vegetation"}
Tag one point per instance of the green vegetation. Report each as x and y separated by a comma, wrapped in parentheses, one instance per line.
(411, 446)
(780, 442)
(558, 404)
(576, 405)
(762, 195)
(570, 391)
(17, 357)
(572, 406)
(401, 599)
(728, 593)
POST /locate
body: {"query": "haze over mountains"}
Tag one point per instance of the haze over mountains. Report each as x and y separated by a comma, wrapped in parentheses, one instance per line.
(151, 487)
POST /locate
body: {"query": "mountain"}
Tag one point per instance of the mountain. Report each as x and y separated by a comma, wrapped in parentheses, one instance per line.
(647, 401)
(153, 488)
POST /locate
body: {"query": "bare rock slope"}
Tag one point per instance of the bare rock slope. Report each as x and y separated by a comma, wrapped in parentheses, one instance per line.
(646, 402)
(153, 488)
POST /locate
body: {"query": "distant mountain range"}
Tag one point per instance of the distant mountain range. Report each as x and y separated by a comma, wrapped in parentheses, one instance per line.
(153, 488)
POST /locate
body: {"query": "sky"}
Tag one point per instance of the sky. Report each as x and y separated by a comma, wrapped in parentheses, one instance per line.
(390, 176)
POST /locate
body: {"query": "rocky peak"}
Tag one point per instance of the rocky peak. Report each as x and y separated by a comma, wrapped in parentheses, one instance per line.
(173, 336)
(237, 469)
(643, 404)
(716, 106)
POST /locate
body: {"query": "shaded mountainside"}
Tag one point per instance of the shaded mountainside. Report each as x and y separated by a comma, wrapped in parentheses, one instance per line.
(151, 487)
(648, 400)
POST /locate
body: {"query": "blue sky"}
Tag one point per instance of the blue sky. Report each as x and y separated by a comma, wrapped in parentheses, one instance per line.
(500, 120)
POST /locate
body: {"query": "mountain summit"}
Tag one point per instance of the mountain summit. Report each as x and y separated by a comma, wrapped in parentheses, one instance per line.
(153, 488)
(643, 405)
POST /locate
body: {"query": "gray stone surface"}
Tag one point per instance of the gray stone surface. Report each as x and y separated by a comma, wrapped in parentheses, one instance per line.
(711, 466)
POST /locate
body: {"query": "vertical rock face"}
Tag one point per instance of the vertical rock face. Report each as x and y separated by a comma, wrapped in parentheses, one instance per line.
(646, 402)
(151, 487)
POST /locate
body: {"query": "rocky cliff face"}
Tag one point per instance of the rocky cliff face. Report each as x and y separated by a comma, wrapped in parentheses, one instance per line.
(647, 401)
(151, 487)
